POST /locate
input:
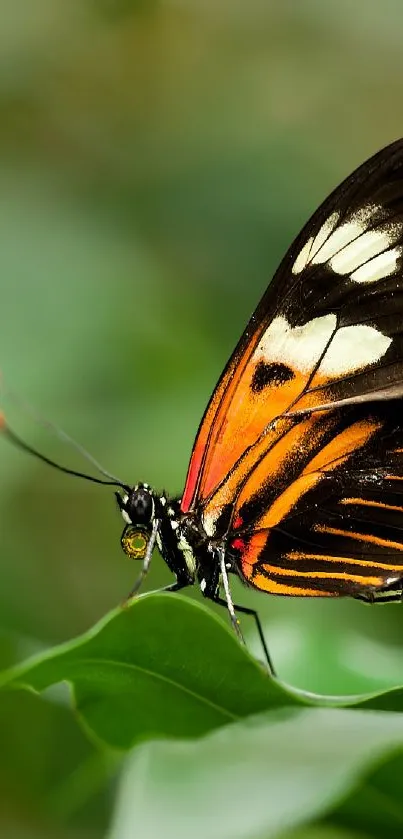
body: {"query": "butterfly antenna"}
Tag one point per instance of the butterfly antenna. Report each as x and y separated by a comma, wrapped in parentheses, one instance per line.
(17, 441)
(61, 435)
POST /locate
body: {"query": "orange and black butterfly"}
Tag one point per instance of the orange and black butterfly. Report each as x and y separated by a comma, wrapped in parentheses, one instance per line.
(295, 482)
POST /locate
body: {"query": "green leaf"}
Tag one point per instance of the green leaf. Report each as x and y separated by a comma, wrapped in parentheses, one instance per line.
(166, 667)
(376, 806)
(42, 750)
(259, 778)
(323, 831)
(160, 667)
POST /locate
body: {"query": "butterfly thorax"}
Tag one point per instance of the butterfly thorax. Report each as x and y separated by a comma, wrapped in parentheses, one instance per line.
(182, 543)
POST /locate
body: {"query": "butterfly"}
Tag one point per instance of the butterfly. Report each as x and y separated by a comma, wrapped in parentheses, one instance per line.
(295, 482)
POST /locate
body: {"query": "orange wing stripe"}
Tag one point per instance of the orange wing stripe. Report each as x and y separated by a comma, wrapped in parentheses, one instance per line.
(287, 500)
(267, 584)
(323, 575)
(271, 464)
(368, 503)
(348, 441)
(348, 560)
(360, 537)
(330, 456)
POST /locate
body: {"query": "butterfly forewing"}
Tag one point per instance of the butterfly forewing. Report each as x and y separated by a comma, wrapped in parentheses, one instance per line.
(309, 499)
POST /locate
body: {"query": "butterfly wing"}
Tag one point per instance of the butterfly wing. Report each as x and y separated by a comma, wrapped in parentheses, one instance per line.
(329, 519)
(324, 347)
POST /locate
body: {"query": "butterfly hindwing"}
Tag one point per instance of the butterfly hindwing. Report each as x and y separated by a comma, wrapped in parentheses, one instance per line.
(327, 334)
(331, 521)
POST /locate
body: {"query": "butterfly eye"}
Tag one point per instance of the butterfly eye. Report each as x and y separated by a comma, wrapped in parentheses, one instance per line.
(134, 542)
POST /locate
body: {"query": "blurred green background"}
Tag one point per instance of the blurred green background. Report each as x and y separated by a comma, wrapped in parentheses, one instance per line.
(156, 159)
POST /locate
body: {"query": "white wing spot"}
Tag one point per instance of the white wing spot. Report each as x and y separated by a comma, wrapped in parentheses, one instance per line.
(352, 348)
(346, 233)
(303, 257)
(313, 245)
(324, 233)
(300, 346)
(338, 240)
(364, 248)
(377, 268)
(349, 246)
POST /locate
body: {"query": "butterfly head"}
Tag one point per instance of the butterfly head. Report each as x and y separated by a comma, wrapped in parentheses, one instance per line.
(138, 511)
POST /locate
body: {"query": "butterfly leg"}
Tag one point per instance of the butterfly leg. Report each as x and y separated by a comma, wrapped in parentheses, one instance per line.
(252, 612)
(228, 597)
(146, 561)
(232, 609)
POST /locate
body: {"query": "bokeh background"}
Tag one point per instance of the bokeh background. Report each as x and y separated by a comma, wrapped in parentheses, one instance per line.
(156, 159)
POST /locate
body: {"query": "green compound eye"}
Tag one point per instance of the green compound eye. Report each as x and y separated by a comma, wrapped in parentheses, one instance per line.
(134, 542)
